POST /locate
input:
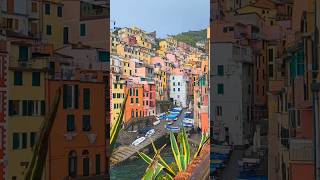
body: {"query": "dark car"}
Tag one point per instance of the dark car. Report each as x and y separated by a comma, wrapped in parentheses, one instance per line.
(144, 130)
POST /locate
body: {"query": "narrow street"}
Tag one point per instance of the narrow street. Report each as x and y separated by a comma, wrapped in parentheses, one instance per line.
(231, 172)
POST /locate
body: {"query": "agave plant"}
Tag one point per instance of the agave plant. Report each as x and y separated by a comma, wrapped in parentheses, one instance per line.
(35, 169)
(181, 152)
(115, 129)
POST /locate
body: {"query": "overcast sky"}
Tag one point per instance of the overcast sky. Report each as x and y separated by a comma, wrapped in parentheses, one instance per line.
(163, 16)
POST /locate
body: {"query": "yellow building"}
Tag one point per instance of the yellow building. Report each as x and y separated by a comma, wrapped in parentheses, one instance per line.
(26, 105)
(52, 19)
(117, 96)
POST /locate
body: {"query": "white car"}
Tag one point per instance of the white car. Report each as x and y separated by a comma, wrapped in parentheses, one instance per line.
(156, 122)
(138, 141)
(150, 133)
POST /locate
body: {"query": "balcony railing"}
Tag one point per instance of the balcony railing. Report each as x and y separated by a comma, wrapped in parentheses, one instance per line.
(301, 150)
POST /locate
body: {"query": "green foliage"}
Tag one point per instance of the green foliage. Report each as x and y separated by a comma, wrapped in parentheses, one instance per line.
(35, 169)
(115, 129)
(181, 152)
(192, 37)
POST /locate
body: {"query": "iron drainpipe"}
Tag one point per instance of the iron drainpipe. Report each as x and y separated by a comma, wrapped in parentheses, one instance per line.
(315, 89)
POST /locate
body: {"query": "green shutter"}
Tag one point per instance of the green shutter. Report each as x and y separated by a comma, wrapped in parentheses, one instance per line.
(82, 29)
(220, 89)
(47, 9)
(24, 107)
(43, 108)
(24, 140)
(104, 56)
(17, 78)
(15, 141)
(76, 96)
(86, 123)
(11, 111)
(86, 98)
(220, 70)
(70, 122)
(23, 53)
(35, 78)
(30, 107)
(65, 96)
(32, 139)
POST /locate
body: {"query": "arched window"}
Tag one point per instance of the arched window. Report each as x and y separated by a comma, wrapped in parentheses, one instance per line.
(72, 157)
(85, 163)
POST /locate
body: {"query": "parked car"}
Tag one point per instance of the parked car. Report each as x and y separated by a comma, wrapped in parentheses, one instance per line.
(150, 133)
(144, 130)
(138, 141)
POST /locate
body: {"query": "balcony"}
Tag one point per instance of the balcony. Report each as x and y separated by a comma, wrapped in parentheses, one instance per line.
(34, 63)
(301, 150)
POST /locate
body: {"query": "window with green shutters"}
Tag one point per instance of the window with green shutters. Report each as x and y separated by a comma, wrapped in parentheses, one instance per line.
(270, 69)
(82, 29)
(43, 108)
(86, 98)
(86, 126)
(35, 78)
(23, 53)
(24, 140)
(70, 122)
(220, 88)
(33, 136)
(47, 9)
(17, 78)
(104, 56)
(15, 141)
(98, 164)
(59, 11)
(49, 30)
(220, 70)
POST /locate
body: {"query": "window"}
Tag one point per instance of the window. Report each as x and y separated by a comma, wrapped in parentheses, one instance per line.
(137, 92)
(49, 30)
(70, 122)
(220, 70)
(14, 107)
(98, 171)
(85, 163)
(137, 100)
(65, 35)
(114, 95)
(18, 78)
(132, 113)
(35, 78)
(34, 7)
(137, 113)
(178, 89)
(23, 53)
(70, 96)
(178, 83)
(24, 140)
(82, 29)
(270, 52)
(174, 83)
(47, 9)
(15, 141)
(131, 100)
(220, 88)
(86, 123)
(104, 56)
(86, 98)
(174, 89)
(33, 136)
(59, 11)
(218, 110)
(28, 108)
(270, 71)
(72, 164)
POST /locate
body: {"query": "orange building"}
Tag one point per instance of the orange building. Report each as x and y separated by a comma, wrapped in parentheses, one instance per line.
(134, 107)
(77, 145)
